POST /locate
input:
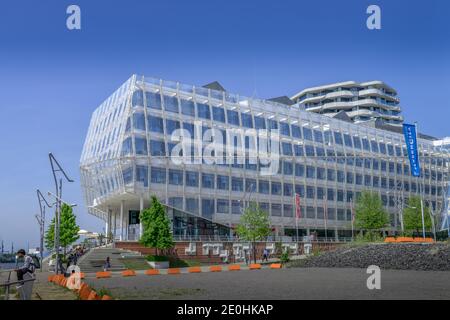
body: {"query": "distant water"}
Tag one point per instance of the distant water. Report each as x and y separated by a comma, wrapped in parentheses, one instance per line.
(6, 266)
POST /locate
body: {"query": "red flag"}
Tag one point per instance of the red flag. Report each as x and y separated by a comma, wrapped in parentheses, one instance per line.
(298, 212)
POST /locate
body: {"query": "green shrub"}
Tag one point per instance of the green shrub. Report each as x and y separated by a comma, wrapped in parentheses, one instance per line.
(153, 258)
(284, 257)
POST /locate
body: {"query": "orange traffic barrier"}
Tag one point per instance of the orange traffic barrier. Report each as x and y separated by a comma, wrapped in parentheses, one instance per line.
(390, 239)
(255, 266)
(85, 292)
(173, 271)
(93, 296)
(50, 278)
(152, 272)
(234, 267)
(106, 297)
(215, 268)
(405, 239)
(103, 274)
(195, 270)
(128, 273)
(275, 266)
(82, 275)
(423, 240)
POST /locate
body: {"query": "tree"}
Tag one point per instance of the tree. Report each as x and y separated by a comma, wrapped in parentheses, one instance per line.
(254, 226)
(50, 236)
(369, 212)
(156, 225)
(68, 229)
(412, 215)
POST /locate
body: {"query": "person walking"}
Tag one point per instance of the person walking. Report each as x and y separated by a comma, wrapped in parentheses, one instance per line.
(265, 255)
(107, 264)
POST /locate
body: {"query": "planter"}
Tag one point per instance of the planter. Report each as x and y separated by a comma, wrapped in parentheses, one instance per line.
(159, 264)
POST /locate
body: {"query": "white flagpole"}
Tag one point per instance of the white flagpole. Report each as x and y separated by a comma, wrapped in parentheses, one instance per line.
(420, 184)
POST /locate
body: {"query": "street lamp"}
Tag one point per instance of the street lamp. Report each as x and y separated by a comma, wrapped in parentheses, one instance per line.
(41, 221)
(56, 167)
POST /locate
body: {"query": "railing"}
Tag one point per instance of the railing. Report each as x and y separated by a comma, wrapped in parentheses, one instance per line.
(10, 283)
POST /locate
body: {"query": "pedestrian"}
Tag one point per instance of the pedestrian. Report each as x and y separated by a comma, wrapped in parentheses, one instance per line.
(266, 255)
(246, 256)
(107, 265)
(27, 267)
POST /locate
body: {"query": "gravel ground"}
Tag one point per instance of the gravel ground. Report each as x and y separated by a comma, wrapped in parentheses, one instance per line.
(292, 284)
(430, 257)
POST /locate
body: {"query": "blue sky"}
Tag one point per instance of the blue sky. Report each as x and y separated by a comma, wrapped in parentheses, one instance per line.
(51, 79)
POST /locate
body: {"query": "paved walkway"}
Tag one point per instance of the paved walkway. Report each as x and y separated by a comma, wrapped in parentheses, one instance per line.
(266, 284)
(44, 290)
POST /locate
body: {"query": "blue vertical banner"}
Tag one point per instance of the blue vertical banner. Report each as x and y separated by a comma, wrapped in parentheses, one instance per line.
(409, 130)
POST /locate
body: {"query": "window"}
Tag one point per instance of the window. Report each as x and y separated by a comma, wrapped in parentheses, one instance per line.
(191, 179)
(340, 176)
(157, 148)
(288, 189)
(299, 170)
(287, 168)
(233, 117)
(140, 145)
(310, 212)
(331, 213)
(138, 98)
(321, 173)
(203, 111)
(307, 134)
(286, 148)
(338, 138)
(358, 179)
(288, 210)
(153, 100)
(276, 209)
(331, 176)
(284, 129)
(263, 187)
(223, 182)
(127, 175)
(187, 107)
(350, 177)
(236, 207)
(309, 151)
(237, 184)
(127, 147)
(155, 124)
(272, 124)
(382, 148)
(192, 205)
(300, 190)
(357, 142)
(247, 120)
(250, 185)
(172, 125)
(310, 192)
(171, 104)
(142, 175)
(218, 114)
(340, 196)
(208, 181)
(348, 141)
(139, 121)
(318, 136)
(330, 194)
(158, 175)
(176, 177)
(190, 128)
(276, 188)
(374, 146)
(298, 150)
(176, 202)
(223, 206)
(296, 131)
(208, 208)
(366, 145)
(310, 172)
(320, 193)
(260, 123)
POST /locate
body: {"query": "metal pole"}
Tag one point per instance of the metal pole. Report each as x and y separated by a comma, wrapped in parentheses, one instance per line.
(420, 184)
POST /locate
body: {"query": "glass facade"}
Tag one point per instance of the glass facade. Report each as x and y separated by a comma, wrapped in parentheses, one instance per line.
(327, 161)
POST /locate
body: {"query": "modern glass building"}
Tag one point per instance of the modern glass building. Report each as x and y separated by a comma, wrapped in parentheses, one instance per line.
(327, 161)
